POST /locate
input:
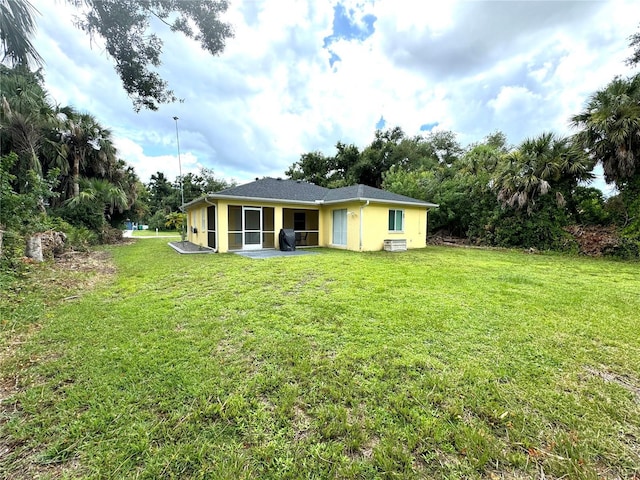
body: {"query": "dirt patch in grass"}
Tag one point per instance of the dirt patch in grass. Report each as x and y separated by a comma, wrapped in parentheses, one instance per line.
(98, 262)
(31, 466)
(301, 423)
(630, 384)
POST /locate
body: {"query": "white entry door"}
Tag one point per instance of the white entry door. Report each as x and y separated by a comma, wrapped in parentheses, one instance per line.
(252, 228)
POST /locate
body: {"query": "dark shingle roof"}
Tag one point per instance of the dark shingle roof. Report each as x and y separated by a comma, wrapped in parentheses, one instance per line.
(277, 189)
(299, 191)
(366, 192)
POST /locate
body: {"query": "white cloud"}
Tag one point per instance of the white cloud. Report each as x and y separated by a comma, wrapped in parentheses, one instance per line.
(472, 67)
(148, 165)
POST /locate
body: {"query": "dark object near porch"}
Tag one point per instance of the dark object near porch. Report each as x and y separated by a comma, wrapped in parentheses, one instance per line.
(287, 239)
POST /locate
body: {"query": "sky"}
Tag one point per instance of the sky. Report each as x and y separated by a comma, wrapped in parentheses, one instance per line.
(299, 76)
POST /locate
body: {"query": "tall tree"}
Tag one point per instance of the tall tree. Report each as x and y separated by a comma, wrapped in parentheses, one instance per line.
(378, 157)
(634, 43)
(90, 146)
(26, 117)
(124, 25)
(16, 28)
(211, 183)
(610, 129)
(162, 196)
(313, 167)
(537, 167)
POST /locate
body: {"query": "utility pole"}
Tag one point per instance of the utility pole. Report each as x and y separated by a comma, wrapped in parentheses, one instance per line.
(181, 182)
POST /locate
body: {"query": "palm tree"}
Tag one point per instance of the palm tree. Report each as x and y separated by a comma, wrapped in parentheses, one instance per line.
(97, 191)
(23, 135)
(90, 147)
(610, 129)
(16, 27)
(535, 167)
(28, 124)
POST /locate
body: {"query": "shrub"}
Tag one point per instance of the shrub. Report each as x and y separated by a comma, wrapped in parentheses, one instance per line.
(78, 238)
(85, 215)
(157, 220)
(627, 248)
(590, 206)
(109, 235)
(12, 248)
(542, 229)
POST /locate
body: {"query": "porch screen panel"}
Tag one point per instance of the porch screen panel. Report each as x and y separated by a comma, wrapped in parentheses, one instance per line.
(252, 220)
(299, 220)
(313, 220)
(235, 227)
(305, 222)
(312, 239)
(268, 226)
(268, 240)
(235, 241)
(235, 218)
(211, 226)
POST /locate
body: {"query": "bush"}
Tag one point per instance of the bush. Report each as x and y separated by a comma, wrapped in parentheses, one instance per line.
(627, 248)
(590, 206)
(12, 249)
(542, 229)
(78, 238)
(109, 235)
(157, 220)
(85, 215)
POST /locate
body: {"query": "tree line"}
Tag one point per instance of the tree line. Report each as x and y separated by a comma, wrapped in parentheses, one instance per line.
(59, 168)
(494, 193)
(61, 171)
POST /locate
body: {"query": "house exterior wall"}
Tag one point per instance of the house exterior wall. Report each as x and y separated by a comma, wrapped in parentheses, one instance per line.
(374, 223)
(376, 226)
(194, 213)
(194, 216)
(353, 225)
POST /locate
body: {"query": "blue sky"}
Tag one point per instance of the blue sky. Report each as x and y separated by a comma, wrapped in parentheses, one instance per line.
(347, 26)
(301, 75)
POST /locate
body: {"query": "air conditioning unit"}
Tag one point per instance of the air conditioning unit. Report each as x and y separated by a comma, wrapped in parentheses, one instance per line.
(399, 245)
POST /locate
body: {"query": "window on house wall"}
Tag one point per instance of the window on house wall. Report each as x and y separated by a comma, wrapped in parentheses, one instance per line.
(203, 220)
(396, 220)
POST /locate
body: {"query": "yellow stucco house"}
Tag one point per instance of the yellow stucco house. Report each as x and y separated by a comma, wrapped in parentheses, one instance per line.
(358, 217)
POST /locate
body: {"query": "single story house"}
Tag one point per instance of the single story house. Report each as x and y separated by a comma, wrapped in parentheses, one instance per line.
(358, 217)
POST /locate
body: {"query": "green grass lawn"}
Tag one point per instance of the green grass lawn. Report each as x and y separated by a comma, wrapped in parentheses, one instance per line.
(438, 363)
(152, 233)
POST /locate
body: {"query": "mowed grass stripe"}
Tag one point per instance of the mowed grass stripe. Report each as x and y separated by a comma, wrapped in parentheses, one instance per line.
(426, 364)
